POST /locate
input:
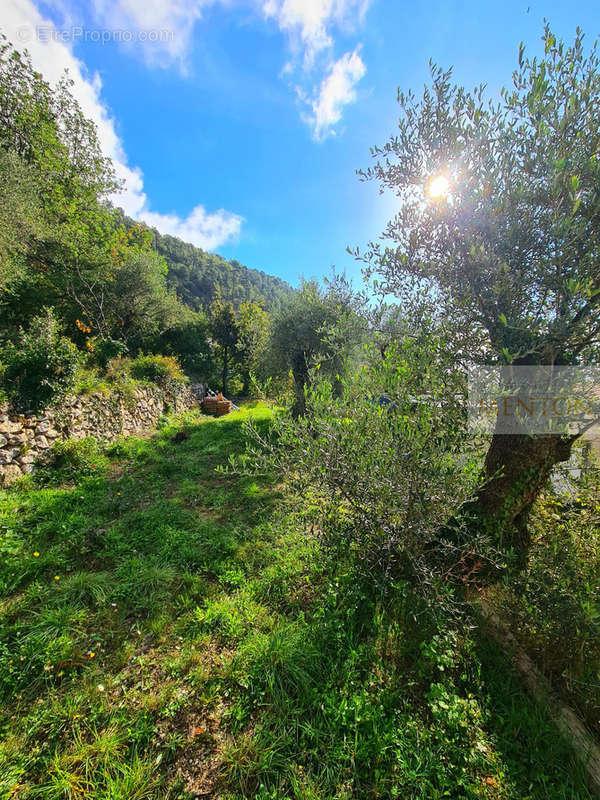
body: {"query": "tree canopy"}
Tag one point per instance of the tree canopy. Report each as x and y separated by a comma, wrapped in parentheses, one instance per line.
(499, 219)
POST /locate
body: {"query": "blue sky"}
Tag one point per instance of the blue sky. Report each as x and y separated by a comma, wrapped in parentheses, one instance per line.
(241, 129)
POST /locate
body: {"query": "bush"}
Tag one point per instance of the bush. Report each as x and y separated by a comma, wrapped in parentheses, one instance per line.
(41, 367)
(107, 349)
(385, 461)
(158, 369)
(72, 460)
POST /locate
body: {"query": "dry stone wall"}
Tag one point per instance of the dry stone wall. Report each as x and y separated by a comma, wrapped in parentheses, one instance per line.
(25, 440)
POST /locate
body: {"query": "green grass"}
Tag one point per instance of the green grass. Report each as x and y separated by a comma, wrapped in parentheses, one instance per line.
(167, 631)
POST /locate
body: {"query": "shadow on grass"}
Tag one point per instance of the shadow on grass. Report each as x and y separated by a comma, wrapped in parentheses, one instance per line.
(349, 699)
(542, 762)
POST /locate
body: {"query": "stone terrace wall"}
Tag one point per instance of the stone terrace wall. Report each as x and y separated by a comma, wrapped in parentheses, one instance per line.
(25, 439)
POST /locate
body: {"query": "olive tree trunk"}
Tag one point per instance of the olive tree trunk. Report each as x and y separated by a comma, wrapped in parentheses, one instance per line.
(517, 467)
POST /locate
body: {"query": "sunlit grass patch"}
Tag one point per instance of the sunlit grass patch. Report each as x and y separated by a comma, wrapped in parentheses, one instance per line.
(180, 630)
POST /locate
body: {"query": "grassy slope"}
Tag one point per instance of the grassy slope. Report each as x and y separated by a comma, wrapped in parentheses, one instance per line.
(168, 632)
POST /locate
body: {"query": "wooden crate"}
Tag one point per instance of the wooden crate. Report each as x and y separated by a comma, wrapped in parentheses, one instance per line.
(209, 405)
(223, 407)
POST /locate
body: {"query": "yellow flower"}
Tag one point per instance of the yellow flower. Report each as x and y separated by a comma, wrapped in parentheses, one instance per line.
(57, 577)
(36, 554)
(92, 654)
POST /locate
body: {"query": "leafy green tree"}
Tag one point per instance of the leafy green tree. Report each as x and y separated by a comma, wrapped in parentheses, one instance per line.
(21, 218)
(254, 326)
(40, 367)
(63, 240)
(314, 326)
(188, 339)
(225, 334)
(138, 301)
(499, 215)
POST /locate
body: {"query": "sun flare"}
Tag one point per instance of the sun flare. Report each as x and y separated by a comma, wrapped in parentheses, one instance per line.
(438, 187)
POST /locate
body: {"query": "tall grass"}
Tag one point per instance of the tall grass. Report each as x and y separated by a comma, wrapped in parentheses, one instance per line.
(169, 632)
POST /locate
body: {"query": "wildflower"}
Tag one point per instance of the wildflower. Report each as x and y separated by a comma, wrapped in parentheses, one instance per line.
(91, 654)
(57, 577)
(36, 554)
(100, 687)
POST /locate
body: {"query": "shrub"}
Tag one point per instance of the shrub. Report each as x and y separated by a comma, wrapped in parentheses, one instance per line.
(158, 369)
(41, 367)
(385, 461)
(107, 349)
(72, 460)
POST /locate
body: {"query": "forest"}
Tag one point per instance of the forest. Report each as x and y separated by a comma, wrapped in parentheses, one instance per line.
(294, 600)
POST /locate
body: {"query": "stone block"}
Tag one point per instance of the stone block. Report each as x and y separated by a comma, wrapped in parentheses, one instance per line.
(9, 426)
(8, 455)
(9, 474)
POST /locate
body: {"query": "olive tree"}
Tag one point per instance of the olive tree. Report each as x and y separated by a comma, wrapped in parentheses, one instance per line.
(499, 217)
(315, 325)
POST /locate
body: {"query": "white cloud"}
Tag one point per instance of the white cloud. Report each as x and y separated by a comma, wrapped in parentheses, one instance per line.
(20, 20)
(308, 23)
(200, 228)
(170, 23)
(309, 26)
(335, 92)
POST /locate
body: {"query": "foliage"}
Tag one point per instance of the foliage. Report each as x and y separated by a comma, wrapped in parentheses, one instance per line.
(188, 338)
(513, 246)
(106, 349)
(41, 367)
(253, 335)
(158, 369)
(509, 246)
(385, 462)
(71, 239)
(554, 605)
(224, 330)
(166, 630)
(62, 243)
(20, 216)
(313, 326)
